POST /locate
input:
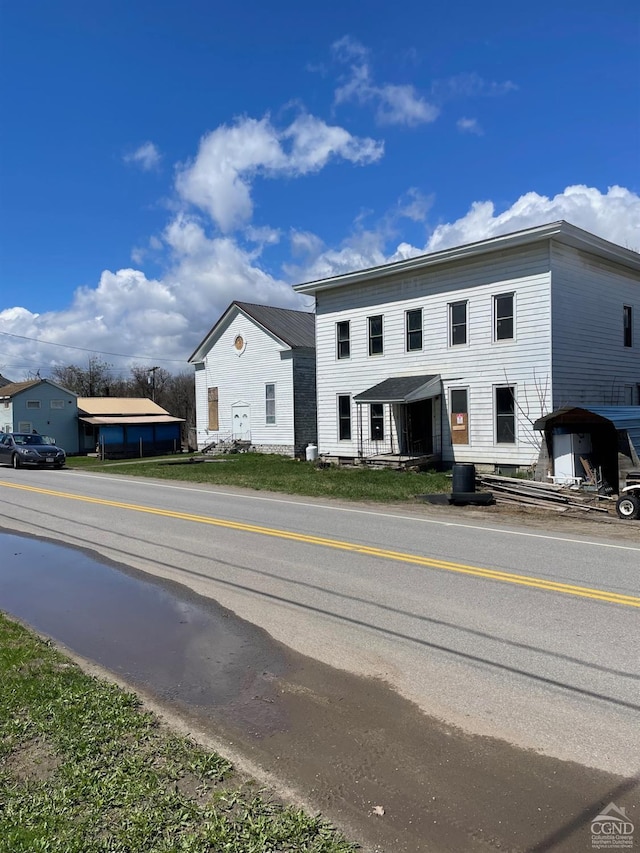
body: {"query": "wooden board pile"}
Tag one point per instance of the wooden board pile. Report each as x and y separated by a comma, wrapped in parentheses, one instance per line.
(512, 490)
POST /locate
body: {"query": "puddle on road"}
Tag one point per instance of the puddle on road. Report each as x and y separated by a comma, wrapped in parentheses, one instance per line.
(174, 644)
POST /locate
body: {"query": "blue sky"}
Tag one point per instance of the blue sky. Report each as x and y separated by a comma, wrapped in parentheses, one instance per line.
(159, 159)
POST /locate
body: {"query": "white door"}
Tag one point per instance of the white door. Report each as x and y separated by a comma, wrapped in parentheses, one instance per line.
(241, 421)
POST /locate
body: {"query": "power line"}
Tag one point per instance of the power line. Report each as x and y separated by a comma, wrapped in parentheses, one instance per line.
(96, 351)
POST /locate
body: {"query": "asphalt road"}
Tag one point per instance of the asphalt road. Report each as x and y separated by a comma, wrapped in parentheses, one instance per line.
(530, 636)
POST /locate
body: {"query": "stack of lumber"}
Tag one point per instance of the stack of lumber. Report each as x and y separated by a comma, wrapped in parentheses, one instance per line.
(512, 490)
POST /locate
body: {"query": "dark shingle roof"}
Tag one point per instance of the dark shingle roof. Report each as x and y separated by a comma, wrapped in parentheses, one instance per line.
(295, 328)
(13, 388)
(401, 389)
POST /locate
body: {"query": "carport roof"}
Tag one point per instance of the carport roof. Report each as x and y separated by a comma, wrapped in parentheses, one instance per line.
(622, 417)
(142, 419)
(402, 389)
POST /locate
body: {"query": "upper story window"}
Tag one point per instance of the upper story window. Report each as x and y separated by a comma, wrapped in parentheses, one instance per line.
(343, 339)
(376, 346)
(628, 325)
(56, 404)
(33, 404)
(270, 403)
(414, 329)
(503, 317)
(457, 323)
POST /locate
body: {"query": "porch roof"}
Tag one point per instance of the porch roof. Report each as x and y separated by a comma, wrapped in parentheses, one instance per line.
(402, 389)
(144, 420)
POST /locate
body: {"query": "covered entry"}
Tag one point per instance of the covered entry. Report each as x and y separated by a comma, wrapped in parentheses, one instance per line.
(397, 416)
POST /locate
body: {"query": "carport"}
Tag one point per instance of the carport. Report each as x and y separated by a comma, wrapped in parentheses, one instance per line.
(611, 434)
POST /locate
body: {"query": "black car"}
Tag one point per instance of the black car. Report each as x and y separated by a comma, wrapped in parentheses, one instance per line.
(24, 448)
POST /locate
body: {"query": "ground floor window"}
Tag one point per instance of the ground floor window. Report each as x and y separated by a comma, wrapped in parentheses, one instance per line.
(344, 417)
(459, 416)
(212, 403)
(376, 411)
(505, 409)
(270, 401)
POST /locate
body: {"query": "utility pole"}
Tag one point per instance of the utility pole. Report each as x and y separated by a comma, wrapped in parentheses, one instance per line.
(152, 380)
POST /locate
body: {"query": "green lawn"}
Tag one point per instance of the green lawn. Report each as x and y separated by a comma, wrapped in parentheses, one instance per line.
(83, 769)
(280, 474)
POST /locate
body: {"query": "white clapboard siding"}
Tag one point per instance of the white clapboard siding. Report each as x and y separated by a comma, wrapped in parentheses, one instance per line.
(482, 364)
(241, 378)
(590, 362)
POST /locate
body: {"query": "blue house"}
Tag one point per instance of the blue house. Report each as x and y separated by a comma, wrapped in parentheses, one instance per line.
(39, 405)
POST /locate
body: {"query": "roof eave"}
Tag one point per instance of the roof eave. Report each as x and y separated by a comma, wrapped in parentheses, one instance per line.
(561, 231)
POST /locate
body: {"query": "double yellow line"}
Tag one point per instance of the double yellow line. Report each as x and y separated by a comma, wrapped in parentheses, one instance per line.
(366, 550)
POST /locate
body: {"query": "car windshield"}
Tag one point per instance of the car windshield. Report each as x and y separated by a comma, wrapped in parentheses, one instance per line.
(28, 439)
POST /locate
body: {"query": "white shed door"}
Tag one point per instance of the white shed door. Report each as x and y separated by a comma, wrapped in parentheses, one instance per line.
(241, 420)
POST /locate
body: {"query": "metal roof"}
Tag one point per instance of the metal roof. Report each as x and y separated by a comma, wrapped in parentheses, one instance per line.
(622, 417)
(402, 389)
(560, 231)
(296, 329)
(119, 406)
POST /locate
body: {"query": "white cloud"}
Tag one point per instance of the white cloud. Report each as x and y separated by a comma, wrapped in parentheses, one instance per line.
(128, 312)
(469, 125)
(219, 179)
(147, 157)
(394, 104)
(614, 215)
(470, 86)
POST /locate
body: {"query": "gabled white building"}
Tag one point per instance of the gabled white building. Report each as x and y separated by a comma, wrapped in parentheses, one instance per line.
(458, 352)
(255, 379)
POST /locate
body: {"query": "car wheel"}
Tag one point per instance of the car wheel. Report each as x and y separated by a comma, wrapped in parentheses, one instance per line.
(628, 506)
(15, 461)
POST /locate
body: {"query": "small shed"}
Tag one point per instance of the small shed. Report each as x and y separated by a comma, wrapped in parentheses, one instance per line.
(604, 438)
(121, 427)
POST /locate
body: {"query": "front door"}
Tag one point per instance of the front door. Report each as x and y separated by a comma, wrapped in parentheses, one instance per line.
(419, 421)
(241, 421)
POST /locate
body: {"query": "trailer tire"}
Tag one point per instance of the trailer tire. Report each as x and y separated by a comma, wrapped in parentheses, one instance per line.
(628, 506)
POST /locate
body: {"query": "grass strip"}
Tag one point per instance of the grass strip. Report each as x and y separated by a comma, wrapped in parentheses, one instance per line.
(84, 769)
(270, 472)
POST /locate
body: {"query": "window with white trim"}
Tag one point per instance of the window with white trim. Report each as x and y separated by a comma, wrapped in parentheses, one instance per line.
(376, 344)
(503, 317)
(505, 414)
(270, 403)
(33, 404)
(25, 426)
(344, 417)
(343, 339)
(457, 323)
(376, 418)
(413, 323)
(56, 404)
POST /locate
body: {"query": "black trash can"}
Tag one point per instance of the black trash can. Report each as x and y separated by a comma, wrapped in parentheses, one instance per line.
(464, 478)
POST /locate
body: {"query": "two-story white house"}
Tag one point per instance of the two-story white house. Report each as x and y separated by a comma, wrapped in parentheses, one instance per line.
(458, 352)
(255, 380)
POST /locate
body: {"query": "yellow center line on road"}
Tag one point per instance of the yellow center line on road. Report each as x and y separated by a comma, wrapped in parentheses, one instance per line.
(382, 553)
